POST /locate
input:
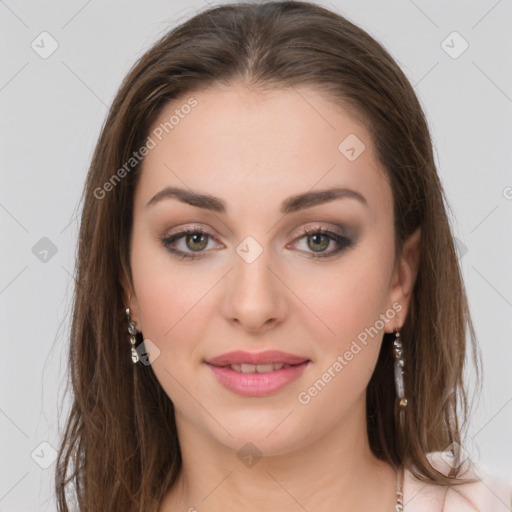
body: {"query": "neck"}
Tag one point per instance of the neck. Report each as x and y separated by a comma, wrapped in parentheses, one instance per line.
(336, 472)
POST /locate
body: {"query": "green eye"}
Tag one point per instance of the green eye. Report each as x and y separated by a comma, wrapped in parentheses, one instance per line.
(318, 240)
(196, 241)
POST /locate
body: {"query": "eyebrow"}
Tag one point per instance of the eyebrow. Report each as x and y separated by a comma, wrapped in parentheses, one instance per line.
(290, 205)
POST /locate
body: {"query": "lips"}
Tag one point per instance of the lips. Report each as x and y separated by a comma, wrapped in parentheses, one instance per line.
(257, 373)
(268, 357)
(256, 384)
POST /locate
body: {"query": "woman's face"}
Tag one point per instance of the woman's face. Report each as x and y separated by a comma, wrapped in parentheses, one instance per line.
(257, 282)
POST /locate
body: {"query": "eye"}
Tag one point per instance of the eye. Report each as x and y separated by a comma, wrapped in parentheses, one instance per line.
(195, 240)
(318, 239)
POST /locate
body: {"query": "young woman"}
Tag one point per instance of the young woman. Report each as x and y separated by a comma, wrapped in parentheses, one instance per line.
(269, 312)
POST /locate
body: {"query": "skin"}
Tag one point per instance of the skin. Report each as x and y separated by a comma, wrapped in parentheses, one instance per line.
(253, 150)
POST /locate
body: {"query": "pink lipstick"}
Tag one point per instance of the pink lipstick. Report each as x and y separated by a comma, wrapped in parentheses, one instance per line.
(257, 374)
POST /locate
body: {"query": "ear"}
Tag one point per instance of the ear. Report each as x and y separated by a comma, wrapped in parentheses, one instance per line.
(130, 300)
(404, 277)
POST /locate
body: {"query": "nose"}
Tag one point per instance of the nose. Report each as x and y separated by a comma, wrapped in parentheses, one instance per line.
(255, 295)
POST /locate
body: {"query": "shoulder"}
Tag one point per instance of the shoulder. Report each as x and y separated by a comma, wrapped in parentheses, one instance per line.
(488, 494)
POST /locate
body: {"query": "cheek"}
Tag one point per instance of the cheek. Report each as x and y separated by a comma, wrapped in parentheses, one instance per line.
(172, 315)
(349, 298)
(168, 295)
(347, 351)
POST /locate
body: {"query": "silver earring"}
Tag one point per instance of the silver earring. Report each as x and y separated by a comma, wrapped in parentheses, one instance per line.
(399, 375)
(132, 332)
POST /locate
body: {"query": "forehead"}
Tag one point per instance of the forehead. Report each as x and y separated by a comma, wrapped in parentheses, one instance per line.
(236, 141)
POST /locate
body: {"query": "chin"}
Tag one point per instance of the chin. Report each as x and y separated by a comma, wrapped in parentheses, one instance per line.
(262, 438)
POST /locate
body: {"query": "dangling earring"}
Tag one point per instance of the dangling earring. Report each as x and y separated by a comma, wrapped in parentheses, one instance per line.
(401, 401)
(132, 332)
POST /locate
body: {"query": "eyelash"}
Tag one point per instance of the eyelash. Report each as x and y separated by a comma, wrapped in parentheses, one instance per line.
(342, 241)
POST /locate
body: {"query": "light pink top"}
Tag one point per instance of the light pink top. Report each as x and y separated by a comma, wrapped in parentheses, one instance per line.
(489, 494)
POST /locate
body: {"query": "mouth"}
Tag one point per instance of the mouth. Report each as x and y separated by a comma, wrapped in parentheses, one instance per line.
(257, 373)
(257, 368)
(260, 362)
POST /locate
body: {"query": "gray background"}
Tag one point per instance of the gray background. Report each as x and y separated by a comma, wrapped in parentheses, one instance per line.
(51, 113)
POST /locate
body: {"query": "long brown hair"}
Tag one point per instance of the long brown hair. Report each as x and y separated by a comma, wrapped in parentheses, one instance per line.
(120, 448)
